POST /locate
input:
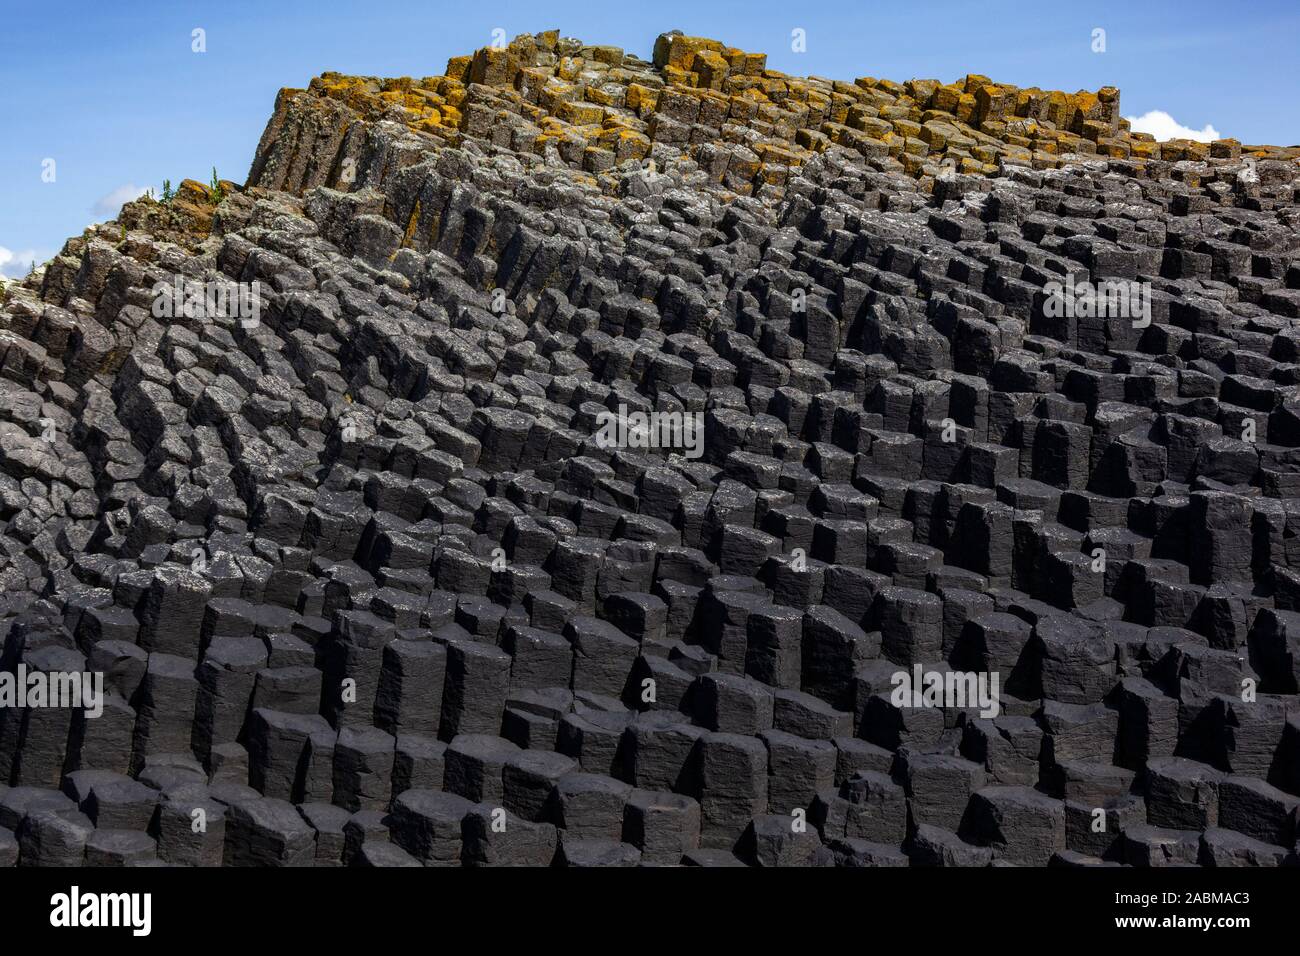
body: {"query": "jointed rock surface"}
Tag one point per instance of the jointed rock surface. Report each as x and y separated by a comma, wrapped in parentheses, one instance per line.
(365, 588)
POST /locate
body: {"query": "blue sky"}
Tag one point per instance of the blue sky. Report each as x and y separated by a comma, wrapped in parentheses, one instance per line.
(113, 93)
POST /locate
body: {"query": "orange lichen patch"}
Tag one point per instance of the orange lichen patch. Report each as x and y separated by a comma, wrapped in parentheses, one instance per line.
(412, 225)
(1094, 130)
(580, 113)
(569, 68)
(493, 67)
(772, 153)
(1225, 149)
(1116, 149)
(712, 69)
(335, 84)
(860, 119)
(678, 51)
(642, 99)
(746, 126)
(946, 98)
(187, 219)
(1085, 103)
(1176, 150)
(1144, 148)
(818, 101)
(193, 192)
(609, 95)
(906, 127)
(742, 108)
(458, 68)
(631, 145)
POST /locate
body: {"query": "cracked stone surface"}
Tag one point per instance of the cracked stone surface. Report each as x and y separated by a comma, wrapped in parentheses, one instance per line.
(365, 588)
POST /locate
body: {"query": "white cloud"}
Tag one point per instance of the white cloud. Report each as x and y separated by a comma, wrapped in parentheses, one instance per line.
(110, 205)
(16, 264)
(1164, 127)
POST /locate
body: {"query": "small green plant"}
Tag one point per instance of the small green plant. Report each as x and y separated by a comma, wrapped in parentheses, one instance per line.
(167, 191)
(32, 270)
(215, 192)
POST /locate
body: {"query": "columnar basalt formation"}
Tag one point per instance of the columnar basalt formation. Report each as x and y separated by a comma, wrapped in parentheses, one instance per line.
(989, 385)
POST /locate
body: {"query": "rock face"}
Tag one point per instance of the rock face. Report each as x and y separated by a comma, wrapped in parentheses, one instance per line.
(374, 492)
